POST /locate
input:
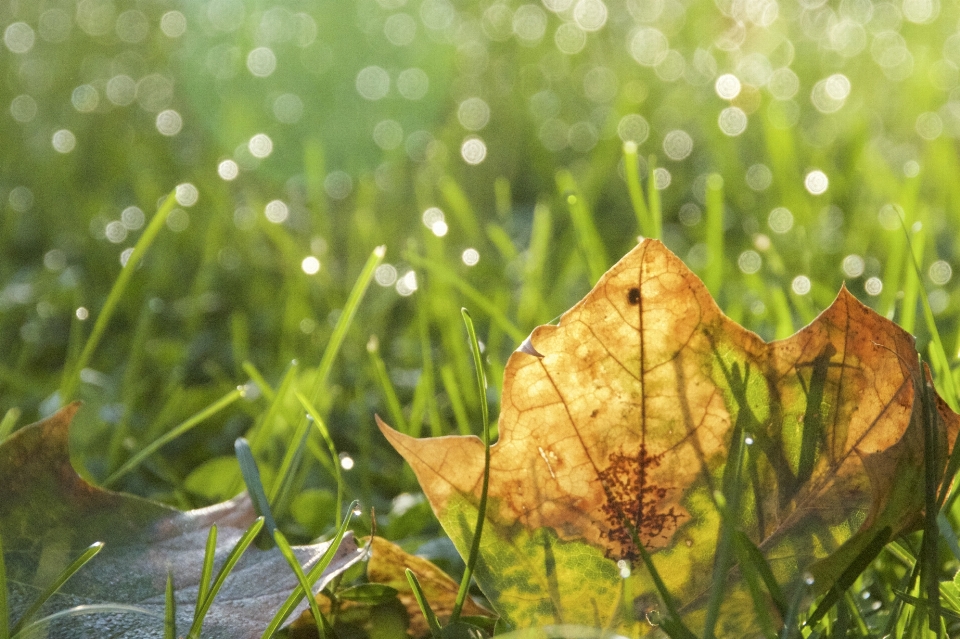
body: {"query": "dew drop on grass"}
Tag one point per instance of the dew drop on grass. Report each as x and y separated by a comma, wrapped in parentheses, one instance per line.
(749, 262)
(473, 150)
(357, 511)
(310, 265)
(727, 86)
(873, 286)
(385, 275)
(940, 272)
(759, 177)
(64, 141)
(853, 265)
(228, 170)
(816, 182)
(173, 24)
(780, 220)
(800, 285)
(187, 194)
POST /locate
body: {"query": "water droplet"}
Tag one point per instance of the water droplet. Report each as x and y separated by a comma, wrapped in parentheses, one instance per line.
(808, 579)
(357, 511)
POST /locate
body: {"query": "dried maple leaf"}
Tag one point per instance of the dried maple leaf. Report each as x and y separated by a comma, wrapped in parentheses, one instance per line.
(617, 425)
(49, 515)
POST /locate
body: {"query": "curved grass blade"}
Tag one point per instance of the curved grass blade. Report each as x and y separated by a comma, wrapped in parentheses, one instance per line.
(170, 610)
(634, 189)
(37, 627)
(241, 546)
(61, 579)
(334, 458)
(72, 374)
(345, 319)
(443, 272)
(206, 573)
(251, 477)
(175, 432)
(261, 431)
(425, 608)
(288, 467)
(4, 611)
(312, 576)
(324, 630)
(482, 507)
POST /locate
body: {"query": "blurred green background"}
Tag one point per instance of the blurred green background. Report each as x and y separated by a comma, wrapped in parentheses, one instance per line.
(788, 145)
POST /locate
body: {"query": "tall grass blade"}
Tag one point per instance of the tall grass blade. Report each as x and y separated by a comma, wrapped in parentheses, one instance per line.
(933, 467)
(37, 628)
(206, 572)
(591, 246)
(251, 478)
(443, 273)
(631, 172)
(254, 374)
(334, 457)
(425, 609)
(72, 373)
(289, 466)
(482, 507)
(653, 199)
(386, 385)
(57, 583)
(9, 422)
(175, 432)
(324, 630)
(713, 272)
(262, 431)
(294, 599)
(169, 610)
(4, 610)
(241, 546)
(345, 320)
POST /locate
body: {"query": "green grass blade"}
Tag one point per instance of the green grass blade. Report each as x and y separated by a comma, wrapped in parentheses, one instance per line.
(386, 386)
(241, 546)
(482, 507)
(334, 457)
(206, 572)
(932, 457)
(289, 465)
(9, 422)
(37, 627)
(170, 610)
(653, 200)
(443, 273)
(912, 282)
(4, 610)
(294, 599)
(251, 478)
(259, 380)
(635, 190)
(449, 380)
(61, 579)
(713, 272)
(345, 320)
(175, 432)
(261, 432)
(72, 374)
(425, 608)
(591, 246)
(323, 626)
